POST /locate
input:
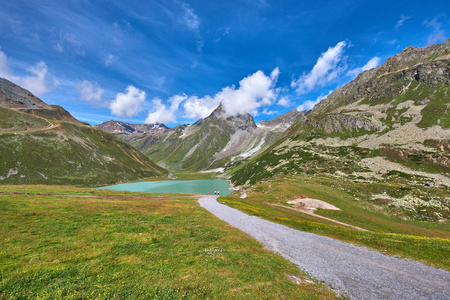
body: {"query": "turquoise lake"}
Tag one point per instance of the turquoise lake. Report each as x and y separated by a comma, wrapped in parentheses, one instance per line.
(174, 186)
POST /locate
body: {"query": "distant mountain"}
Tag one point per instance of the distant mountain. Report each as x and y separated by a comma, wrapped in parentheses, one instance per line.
(44, 144)
(286, 120)
(394, 118)
(213, 142)
(117, 127)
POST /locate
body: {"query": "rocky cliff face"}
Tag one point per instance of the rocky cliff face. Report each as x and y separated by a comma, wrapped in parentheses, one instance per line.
(13, 96)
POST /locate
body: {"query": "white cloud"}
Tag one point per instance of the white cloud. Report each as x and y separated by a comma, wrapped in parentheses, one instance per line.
(222, 31)
(190, 19)
(327, 68)
(284, 101)
(269, 112)
(90, 91)
(68, 42)
(254, 91)
(400, 22)
(372, 63)
(192, 23)
(165, 114)
(128, 104)
(5, 72)
(38, 83)
(199, 108)
(438, 34)
(309, 104)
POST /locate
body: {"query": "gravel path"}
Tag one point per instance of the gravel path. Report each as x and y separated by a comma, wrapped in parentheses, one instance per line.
(355, 271)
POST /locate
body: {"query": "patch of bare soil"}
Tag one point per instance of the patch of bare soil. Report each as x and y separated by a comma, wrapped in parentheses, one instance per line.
(312, 204)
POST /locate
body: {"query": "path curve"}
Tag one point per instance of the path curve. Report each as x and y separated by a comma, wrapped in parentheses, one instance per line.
(355, 271)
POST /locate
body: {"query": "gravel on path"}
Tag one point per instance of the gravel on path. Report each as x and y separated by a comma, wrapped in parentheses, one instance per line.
(354, 271)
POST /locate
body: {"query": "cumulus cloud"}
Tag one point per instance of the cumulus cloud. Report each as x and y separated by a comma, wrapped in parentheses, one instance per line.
(372, 63)
(128, 104)
(254, 91)
(327, 68)
(284, 101)
(199, 108)
(309, 104)
(162, 113)
(438, 34)
(402, 20)
(38, 83)
(90, 91)
(5, 72)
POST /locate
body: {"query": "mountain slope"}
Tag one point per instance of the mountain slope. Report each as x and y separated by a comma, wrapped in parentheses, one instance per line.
(391, 122)
(42, 143)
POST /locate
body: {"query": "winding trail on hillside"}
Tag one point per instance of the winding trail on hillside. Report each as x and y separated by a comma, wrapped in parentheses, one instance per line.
(355, 271)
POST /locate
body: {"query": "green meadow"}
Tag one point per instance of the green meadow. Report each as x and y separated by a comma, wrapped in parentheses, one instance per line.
(61, 242)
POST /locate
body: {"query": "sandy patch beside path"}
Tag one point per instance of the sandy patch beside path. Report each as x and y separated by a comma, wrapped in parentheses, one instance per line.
(312, 204)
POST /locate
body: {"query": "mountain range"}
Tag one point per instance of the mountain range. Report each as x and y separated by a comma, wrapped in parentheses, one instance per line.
(211, 143)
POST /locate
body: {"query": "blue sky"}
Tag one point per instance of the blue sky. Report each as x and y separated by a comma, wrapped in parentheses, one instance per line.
(174, 61)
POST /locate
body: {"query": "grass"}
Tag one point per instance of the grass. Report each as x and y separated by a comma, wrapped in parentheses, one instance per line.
(428, 242)
(120, 245)
(72, 154)
(13, 120)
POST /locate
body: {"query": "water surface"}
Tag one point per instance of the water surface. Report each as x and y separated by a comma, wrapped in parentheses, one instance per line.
(174, 186)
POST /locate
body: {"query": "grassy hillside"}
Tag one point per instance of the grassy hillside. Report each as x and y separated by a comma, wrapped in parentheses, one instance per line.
(45, 144)
(71, 153)
(92, 244)
(13, 120)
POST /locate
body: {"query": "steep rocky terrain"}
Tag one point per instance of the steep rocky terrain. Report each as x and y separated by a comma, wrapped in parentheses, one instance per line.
(391, 122)
(117, 127)
(42, 143)
(209, 144)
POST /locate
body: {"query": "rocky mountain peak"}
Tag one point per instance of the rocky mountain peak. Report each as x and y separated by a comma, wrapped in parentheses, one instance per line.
(242, 121)
(14, 96)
